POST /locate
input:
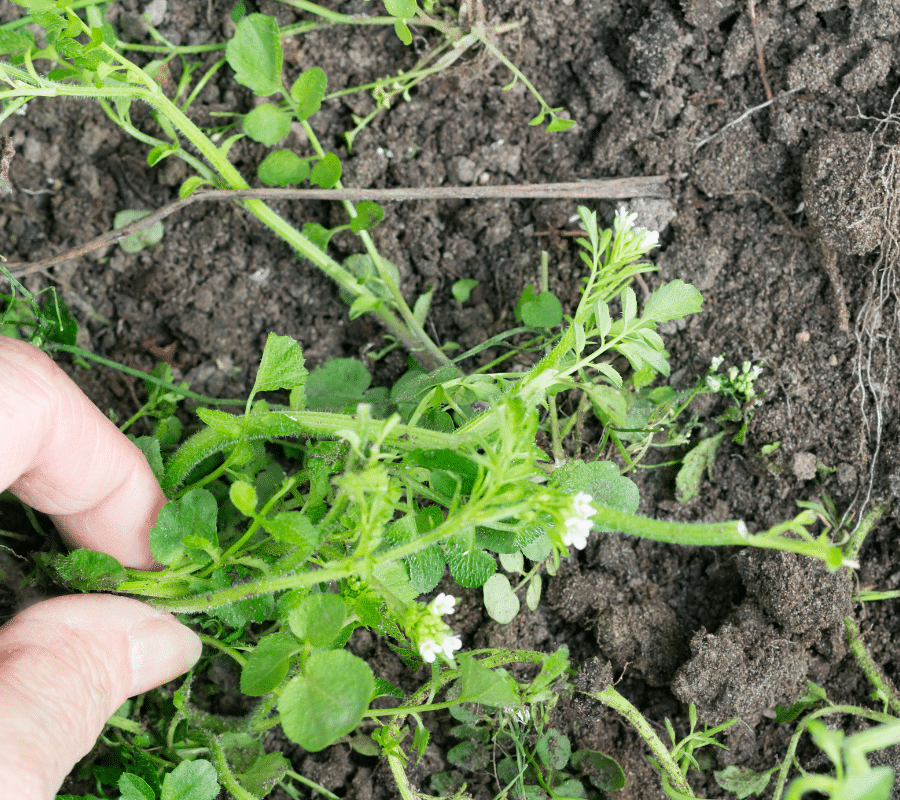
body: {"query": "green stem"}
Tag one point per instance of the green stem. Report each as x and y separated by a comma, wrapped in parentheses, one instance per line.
(852, 548)
(858, 711)
(871, 670)
(226, 776)
(77, 351)
(230, 651)
(400, 778)
(312, 785)
(610, 697)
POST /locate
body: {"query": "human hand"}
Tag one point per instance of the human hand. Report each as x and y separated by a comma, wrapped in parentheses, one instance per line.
(68, 663)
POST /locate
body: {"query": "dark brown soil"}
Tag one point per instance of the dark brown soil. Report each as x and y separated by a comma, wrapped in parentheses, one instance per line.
(781, 219)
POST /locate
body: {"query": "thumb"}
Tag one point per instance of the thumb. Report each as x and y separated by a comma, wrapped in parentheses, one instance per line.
(66, 665)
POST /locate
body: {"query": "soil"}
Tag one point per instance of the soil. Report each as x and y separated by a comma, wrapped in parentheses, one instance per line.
(784, 216)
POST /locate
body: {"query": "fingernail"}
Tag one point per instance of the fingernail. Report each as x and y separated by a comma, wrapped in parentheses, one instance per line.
(161, 649)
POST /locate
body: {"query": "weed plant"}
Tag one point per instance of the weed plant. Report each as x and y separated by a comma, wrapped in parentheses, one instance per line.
(331, 506)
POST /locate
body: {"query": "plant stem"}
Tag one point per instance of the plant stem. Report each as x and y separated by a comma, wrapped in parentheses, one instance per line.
(610, 697)
(871, 670)
(858, 711)
(852, 548)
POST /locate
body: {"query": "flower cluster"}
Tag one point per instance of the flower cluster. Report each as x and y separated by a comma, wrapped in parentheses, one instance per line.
(433, 635)
(640, 240)
(740, 381)
(579, 524)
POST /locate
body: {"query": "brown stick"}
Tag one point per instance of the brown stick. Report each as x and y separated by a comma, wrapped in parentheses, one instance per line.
(612, 188)
(751, 7)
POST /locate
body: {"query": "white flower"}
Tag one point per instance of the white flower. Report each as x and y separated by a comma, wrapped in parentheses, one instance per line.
(442, 604)
(450, 645)
(715, 384)
(716, 363)
(649, 239)
(429, 649)
(624, 219)
(579, 525)
(582, 505)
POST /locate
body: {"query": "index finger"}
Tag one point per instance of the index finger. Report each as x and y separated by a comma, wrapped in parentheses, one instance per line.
(61, 455)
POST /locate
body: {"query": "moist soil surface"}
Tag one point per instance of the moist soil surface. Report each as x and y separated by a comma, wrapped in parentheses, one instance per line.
(784, 216)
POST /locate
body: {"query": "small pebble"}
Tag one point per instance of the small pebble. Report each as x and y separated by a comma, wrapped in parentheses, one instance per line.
(802, 337)
(833, 360)
(804, 466)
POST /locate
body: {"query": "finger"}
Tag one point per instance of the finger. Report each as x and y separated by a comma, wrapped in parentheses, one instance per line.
(61, 455)
(65, 666)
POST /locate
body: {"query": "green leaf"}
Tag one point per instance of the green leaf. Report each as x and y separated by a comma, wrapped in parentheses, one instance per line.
(368, 215)
(423, 303)
(160, 152)
(294, 527)
(265, 773)
(149, 446)
(195, 513)
(513, 562)
(243, 495)
(326, 172)
(308, 91)
(420, 739)
(267, 124)
(133, 787)
(554, 749)
(700, 458)
(559, 124)
(602, 771)
(533, 593)
(191, 780)
(402, 31)
(602, 481)
(326, 700)
(137, 241)
(673, 300)
(281, 366)
(500, 601)
(237, 13)
(449, 469)
(629, 305)
(743, 781)
(462, 289)
(469, 566)
(89, 570)
(254, 53)
(401, 8)
(268, 664)
(478, 684)
(545, 311)
(191, 185)
(222, 422)
(318, 618)
(15, 41)
(395, 579)
(282, 168)
(602, 318)
(340, 382)
(425, 568)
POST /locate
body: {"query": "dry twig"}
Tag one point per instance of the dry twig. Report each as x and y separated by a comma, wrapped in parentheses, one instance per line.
(612, 188)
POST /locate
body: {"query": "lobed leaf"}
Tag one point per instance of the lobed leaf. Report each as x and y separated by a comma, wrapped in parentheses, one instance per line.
(255, 55)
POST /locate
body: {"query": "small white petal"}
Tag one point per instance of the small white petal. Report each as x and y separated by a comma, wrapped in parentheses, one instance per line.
(450, 645)
(429, 650)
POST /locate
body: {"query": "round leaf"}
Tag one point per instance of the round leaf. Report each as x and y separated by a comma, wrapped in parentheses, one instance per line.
(469, 566)
(326, 700)
(501, 603)
(308, 91)
(267, 124)
(326, 172)
(268, 664)
(137, 241)
(318, 618)
(254, 53)
(545, 311)
(282, 168)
